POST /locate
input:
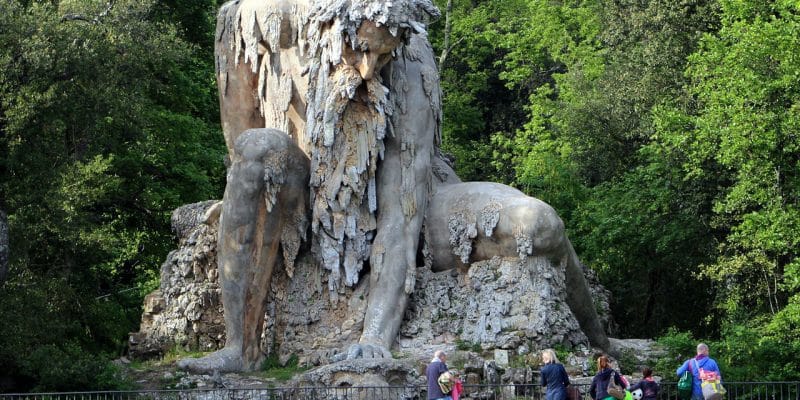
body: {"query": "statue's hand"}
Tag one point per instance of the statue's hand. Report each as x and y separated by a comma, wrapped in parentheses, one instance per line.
(363, 350)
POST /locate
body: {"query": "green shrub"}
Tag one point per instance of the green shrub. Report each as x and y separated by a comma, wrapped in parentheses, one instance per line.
(272, 368)
(71, 368)
(628, 363)
(678, 346)
(745, 352)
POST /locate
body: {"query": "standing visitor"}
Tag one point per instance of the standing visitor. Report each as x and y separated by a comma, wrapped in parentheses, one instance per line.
(702, 367)
(648, 385)
(554, 377)
(435, 369)
(599, 388)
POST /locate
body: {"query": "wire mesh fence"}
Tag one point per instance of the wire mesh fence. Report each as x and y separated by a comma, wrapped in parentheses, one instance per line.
(735, 391)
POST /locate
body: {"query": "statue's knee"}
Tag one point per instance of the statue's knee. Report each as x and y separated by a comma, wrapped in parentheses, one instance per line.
(255, 144)
(538, 221)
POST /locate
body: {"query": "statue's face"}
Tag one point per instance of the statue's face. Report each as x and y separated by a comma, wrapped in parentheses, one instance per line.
(373, 49)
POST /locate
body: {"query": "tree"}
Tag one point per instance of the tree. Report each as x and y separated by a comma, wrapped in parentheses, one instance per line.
(477, 101)
(745, 130)
(585, 148)
(104, 131)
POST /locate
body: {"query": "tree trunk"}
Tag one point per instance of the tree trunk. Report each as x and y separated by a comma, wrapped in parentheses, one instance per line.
(448, 26)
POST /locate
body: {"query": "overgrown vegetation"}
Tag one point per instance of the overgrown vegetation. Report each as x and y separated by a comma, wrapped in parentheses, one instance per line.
(666, 135)
(468, 346)
(107, 123)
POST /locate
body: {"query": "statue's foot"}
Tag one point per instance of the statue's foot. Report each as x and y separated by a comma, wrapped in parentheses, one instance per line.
(363, 350)
(225, 360)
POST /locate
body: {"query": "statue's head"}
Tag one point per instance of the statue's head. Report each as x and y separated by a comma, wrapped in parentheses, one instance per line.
(364, 33)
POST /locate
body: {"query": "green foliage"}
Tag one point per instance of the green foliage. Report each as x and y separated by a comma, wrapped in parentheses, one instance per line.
(678, 346)
(743, 353)
(464, 345)
(478, 102)
(628, 363)
(646, 234)
(107, 123)
(562, 352)
(744, 80)
(272, 368)
(66, 367)
(48, 348)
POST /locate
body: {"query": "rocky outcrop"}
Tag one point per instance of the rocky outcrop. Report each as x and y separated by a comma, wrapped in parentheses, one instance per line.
(602, 300)
(501, 303)
(186, 310)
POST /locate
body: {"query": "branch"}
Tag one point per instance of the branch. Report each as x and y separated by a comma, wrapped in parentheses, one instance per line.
(448, 26)
(446, 52)
(92, 20)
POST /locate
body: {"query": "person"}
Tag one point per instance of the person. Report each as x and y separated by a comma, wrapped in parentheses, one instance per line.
(599, 388)
(436, 368)
(701, 367)
(648, 385)
(553, 376)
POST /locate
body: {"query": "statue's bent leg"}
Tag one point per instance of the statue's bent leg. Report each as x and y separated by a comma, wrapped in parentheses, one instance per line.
(266, 181)
(474, 221)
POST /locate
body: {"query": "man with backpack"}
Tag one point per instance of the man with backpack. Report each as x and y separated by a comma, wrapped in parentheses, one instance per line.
(701, 367)
(435, 370)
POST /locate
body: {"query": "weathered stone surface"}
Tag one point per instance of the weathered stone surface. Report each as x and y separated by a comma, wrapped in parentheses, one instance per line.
(186, 310)
(641, 351)
(362, 372)
(496, 304)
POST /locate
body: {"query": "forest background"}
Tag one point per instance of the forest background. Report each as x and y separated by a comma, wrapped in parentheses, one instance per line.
(665, 132)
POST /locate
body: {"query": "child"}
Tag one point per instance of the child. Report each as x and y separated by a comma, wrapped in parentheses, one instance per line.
(650, 388)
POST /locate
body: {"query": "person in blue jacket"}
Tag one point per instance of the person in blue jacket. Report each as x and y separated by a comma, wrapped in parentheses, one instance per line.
(700, 363)
(554, 376)
(436, 368)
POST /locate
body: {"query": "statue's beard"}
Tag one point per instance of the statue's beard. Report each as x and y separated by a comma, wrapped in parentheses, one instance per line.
(346, 140)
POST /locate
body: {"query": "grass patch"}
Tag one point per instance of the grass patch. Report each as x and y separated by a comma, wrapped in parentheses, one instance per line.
(271, 368)
(464, 345)
(178, 353)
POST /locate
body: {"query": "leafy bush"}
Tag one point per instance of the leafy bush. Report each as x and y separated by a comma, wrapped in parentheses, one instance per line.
(678, 346)
(70, 368)
(272, 367)
(745, 352)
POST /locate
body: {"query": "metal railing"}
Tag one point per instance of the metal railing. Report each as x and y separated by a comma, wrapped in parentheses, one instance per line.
(735, 391)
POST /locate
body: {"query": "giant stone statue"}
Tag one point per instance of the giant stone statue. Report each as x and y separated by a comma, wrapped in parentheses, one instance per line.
(331, 112)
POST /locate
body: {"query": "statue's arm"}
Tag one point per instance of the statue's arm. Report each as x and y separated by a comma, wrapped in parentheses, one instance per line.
(404, 182)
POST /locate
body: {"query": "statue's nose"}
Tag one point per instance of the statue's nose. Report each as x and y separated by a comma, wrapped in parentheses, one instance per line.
(366, 67)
